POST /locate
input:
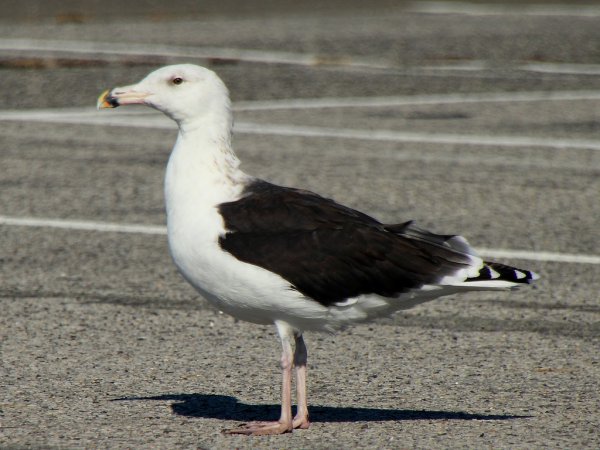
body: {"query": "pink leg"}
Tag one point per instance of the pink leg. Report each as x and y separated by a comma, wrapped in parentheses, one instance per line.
(300, 358)
(285, 423)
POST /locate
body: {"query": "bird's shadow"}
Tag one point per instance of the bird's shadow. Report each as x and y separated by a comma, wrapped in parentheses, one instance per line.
(225, 407)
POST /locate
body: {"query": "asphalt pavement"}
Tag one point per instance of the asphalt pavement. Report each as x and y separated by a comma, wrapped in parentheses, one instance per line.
(471, 119)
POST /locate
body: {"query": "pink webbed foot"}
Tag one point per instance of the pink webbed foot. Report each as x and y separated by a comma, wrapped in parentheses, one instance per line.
(261, 428)
(301, 422)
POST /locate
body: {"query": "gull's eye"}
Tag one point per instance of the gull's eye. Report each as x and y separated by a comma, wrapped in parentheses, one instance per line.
(177, 80)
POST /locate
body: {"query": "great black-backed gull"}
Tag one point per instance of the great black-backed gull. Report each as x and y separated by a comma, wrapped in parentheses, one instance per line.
(277, 255)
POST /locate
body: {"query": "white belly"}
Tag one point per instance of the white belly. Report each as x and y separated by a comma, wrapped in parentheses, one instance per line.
(242, 290)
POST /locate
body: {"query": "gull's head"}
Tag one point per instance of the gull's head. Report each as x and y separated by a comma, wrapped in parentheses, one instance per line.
(183, 92)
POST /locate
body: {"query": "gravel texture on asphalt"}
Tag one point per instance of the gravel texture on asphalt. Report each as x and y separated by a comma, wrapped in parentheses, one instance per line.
(103, 345)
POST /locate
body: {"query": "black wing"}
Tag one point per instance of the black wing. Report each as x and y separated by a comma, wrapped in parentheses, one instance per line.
(330, 252)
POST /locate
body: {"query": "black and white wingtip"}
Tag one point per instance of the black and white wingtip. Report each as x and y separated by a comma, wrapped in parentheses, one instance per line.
(493, 271)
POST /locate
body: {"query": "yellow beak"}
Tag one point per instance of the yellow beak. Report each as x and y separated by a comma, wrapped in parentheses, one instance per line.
(127, 95)
(106, 101)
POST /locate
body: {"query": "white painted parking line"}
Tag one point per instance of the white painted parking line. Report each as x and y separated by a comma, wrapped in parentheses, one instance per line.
(333, 102)
(102, 51)
(39, 115)
(82, 225)
(410, 100)
(562, 68)
(110, 227)
(405, 136)
(157, 121)
(539, 256)
(499, 8)
(112, 51)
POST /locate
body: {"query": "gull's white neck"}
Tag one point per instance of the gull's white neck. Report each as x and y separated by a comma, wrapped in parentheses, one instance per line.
(203, 171)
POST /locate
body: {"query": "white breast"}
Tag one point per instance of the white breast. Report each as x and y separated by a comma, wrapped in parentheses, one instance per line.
(194, 187)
